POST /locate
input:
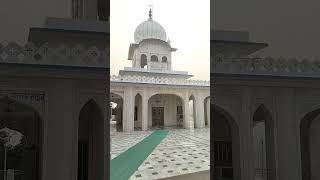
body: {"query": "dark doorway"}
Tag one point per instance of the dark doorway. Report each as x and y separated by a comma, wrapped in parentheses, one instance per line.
(117, 112)
(158, 117)
(83, 160)
(226, 145)
(91, 143)
(25, 158)
(263, 143)
(223, 168)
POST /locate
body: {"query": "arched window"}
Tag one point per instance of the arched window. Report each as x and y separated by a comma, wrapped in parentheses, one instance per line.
(143, 61)
(154, 58)
(164, 59)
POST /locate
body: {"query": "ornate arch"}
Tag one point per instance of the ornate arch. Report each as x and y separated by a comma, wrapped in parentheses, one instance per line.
(169, 93)
(235, 137)
(262, 113)
(305, 125)
(91, 129)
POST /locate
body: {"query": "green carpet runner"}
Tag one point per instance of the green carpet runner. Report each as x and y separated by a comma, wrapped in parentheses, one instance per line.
(124, 165)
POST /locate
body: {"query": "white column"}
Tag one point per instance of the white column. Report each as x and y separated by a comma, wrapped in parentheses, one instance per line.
(128, 110)
(148, 62)
(144, 112)
(208, 112)
(200, 112)
(186, 119)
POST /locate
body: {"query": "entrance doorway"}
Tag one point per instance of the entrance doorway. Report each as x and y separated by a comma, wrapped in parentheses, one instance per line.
(157, 117)
(82, 160)
(25, 159)
(117, 112)
(226, 145)
(90, 142)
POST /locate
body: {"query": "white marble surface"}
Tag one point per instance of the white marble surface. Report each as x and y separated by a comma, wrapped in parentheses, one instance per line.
(121, 141)
(181, 152)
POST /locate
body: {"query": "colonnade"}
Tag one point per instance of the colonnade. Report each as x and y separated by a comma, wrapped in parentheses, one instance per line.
(128, 98)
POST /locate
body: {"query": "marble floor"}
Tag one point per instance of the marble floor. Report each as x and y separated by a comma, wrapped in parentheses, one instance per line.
(121, 141)
(181, 152)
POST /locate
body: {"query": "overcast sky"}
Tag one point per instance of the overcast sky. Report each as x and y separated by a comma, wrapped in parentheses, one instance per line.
(290, 27)
(187, 24)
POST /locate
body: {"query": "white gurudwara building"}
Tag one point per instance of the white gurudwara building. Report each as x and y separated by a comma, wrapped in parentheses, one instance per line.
(150, 94)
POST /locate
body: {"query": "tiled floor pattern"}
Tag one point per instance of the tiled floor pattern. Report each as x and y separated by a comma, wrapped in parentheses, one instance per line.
(121, 141)
(181, 152)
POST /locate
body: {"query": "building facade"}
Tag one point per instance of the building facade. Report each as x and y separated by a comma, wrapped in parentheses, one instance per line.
(149, 94)
(269, 110)
(53, 88)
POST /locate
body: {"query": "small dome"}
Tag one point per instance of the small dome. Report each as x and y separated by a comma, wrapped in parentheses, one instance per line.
(149, 29)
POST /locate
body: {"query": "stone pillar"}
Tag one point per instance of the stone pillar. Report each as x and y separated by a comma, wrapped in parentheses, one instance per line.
(287, 135)
(200, 113)
(186, 119)
(128, 110)
(144, 112)
(246, 164)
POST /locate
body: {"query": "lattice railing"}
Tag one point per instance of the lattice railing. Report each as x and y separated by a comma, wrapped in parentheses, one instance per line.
(159, 80)
(76, 55)
(267, 66)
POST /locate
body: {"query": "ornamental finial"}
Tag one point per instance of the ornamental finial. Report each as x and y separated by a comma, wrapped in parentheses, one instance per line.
(150, 12)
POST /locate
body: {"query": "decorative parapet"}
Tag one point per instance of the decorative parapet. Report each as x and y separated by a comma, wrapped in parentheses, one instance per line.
(77, 56)
(159, 80)
(267, 66)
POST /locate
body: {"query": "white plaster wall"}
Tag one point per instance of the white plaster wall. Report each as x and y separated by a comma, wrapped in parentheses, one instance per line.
(18, 16)
(171, 110)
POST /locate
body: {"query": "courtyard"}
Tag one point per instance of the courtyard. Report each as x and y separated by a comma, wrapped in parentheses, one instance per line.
(182, 151)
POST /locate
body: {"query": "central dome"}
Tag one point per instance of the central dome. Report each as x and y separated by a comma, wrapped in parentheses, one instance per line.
(149, 29)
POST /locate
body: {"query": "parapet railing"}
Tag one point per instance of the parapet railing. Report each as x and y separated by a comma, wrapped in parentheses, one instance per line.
(267, 66)
(158, 80)
(46, 54)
